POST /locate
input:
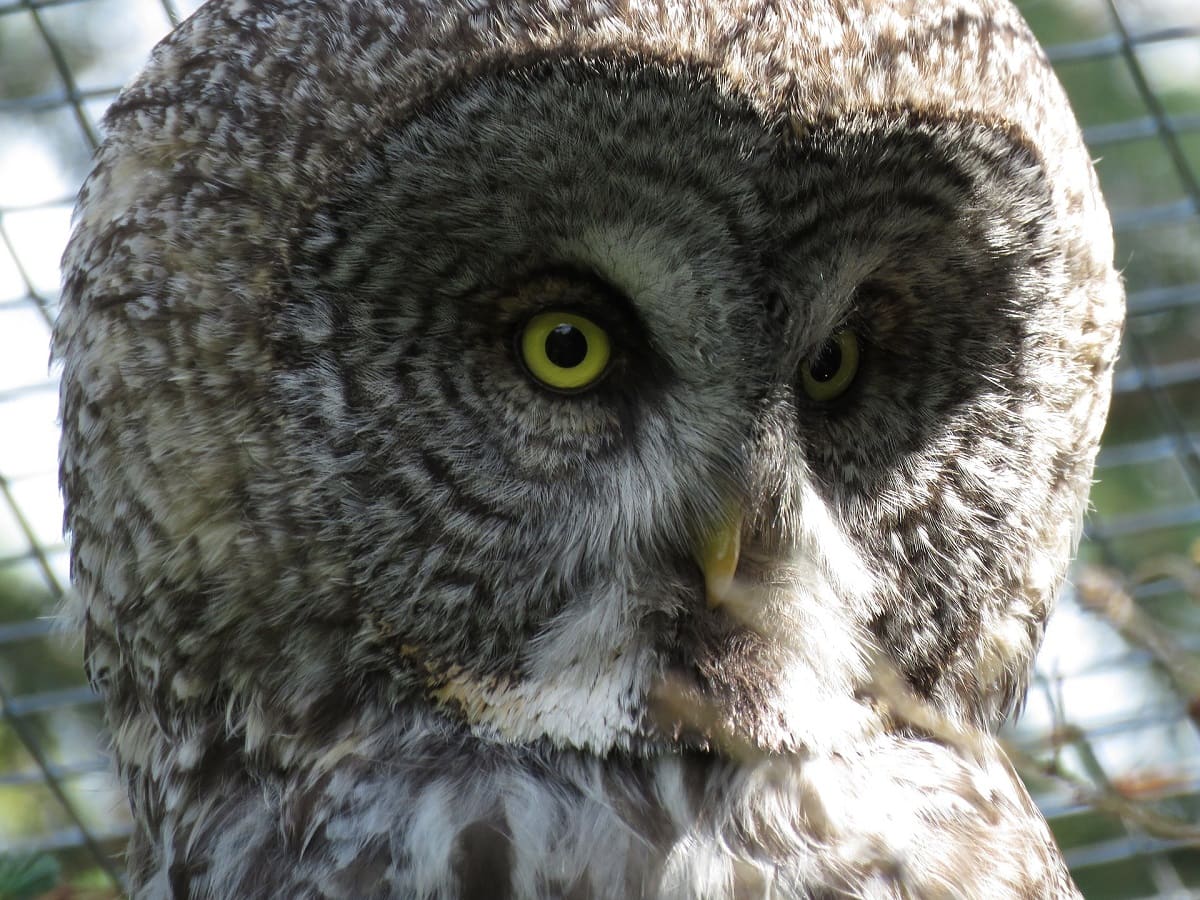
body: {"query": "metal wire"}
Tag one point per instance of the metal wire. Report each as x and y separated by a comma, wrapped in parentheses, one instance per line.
(1147, 502)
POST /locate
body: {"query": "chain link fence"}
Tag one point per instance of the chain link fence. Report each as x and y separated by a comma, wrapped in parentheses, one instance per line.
(1110, 739)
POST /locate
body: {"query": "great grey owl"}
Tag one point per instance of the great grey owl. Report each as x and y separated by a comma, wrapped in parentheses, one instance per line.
(511, 446)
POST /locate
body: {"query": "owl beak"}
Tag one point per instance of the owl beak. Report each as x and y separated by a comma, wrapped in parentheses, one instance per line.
(718, 558)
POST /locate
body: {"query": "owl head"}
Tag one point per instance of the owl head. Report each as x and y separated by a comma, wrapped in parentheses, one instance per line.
(501, 363)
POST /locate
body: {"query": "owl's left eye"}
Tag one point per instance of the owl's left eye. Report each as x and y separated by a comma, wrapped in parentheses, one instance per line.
(831, 371)
(564, 351)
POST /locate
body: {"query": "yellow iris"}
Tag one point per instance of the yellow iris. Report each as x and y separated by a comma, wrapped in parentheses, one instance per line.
(564, 351)
(832, 370)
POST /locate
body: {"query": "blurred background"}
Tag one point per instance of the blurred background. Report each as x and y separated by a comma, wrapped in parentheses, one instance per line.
(1110, 738)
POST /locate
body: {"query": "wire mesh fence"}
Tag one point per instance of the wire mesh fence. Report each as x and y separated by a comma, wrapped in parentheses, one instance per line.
(1110, 740)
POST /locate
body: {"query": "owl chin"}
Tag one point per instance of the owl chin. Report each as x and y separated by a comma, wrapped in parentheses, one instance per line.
(768, 669)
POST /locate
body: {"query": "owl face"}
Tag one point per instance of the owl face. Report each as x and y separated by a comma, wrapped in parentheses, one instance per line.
(528, 555)
(515, 392)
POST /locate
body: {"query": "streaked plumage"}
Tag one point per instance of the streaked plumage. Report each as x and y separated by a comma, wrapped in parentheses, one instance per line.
(376, 613)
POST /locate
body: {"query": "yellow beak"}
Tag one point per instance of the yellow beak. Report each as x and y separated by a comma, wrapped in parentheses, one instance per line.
(718, 558)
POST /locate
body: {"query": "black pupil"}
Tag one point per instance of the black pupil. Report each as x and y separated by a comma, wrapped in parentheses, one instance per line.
(566, 346)
(827, 363)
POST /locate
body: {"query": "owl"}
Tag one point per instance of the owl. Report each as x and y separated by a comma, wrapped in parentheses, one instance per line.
(602, 449)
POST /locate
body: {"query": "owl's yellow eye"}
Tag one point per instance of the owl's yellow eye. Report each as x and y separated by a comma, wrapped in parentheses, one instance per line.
(564, 351)
(831, 371)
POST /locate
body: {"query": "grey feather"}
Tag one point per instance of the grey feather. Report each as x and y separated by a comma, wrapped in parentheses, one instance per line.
(376, 614)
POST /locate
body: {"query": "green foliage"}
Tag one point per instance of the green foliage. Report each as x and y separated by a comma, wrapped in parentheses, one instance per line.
(27, 875)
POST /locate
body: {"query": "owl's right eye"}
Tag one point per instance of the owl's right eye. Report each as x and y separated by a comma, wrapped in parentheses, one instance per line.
(564, 351)
(828, 374)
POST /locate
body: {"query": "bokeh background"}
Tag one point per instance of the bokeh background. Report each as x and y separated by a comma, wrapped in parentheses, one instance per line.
(1110, 738)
